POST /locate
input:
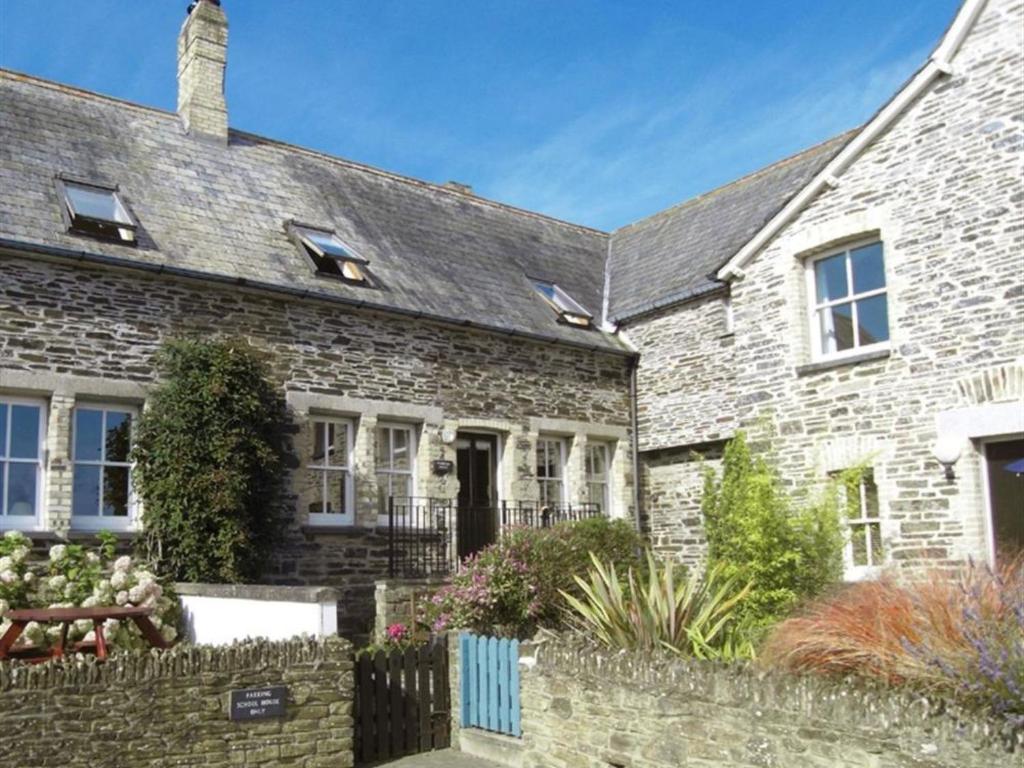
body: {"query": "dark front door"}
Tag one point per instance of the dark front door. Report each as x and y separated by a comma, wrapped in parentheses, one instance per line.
(1006, 497)
(476, 462)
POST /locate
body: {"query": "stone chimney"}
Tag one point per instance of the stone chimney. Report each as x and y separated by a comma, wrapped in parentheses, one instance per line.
(202, 59)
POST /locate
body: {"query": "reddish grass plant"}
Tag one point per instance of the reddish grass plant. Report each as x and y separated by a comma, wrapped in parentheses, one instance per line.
(958, 633)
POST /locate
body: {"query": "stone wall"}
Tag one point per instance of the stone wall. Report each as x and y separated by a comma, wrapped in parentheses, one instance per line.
(397, 602)
(171, 709)
(70, 334)
(586, 708)
(942, 188)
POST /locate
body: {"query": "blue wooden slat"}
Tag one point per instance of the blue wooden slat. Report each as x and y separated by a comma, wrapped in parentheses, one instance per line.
(482, 693)
(513, 688)
(466, 681)
(504, 700)
(492, 683)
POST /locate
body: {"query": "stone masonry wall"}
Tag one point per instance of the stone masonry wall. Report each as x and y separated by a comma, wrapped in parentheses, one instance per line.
(585, 708)
(943, 189)
(171, 709)
(72, 334)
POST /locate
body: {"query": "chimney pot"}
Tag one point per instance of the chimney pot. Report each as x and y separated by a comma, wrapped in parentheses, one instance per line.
(202, 60)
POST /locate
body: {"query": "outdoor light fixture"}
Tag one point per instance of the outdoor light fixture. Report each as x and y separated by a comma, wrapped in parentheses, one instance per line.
(947, 452)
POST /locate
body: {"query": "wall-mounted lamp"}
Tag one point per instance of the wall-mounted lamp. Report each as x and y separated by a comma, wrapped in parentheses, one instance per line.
(947, 452)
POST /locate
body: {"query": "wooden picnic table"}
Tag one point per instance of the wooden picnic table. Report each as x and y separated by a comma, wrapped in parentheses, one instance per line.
(66, 617)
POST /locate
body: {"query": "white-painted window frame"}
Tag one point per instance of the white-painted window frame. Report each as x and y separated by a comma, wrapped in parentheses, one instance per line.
(561, 452)
(347, 516)
(389, 473)
(854, 571)
(99, 522)
(20, 523)
(605, 480)
(814, 306)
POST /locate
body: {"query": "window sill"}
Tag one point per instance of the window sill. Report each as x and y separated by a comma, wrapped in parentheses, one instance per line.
(841, 362)
(90, 534)
(313, 528)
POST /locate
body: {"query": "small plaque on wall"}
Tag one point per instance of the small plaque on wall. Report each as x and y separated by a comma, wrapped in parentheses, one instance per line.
(442, 466)
(258, 703)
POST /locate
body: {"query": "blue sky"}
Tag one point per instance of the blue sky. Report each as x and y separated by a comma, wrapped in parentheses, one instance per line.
(596, 112)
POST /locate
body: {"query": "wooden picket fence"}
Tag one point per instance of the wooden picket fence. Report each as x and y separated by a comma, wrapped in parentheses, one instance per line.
(402, 703)
(489, 683)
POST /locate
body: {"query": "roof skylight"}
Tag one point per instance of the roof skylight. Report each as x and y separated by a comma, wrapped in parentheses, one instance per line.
(568, 309)
(97, 211)
(330, 256)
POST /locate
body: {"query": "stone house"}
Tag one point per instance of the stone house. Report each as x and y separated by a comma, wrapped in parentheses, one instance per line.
(863, 298)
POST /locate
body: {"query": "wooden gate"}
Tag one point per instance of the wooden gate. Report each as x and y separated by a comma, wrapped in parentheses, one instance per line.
(489, 683)
(403, 704)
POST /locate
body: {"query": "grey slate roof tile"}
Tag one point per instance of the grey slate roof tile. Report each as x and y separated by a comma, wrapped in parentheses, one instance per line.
(674, 254)
(221, 210)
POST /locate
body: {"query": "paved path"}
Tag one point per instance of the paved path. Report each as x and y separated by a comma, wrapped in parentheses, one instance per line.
(444, 758)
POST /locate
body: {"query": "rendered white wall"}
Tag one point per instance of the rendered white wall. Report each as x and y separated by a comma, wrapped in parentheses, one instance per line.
(224, 620)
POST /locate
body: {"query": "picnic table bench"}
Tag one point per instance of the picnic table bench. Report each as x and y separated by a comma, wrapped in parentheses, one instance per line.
(66, 617)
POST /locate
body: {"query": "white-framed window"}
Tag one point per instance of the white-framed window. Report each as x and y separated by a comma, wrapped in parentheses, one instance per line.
(22, 439)
(101, 485)
(328, 491)
(396, 463)
(551, 454)
(329, 254)
(598, 475)
(96, 210)
(569, 310)
(848, 301)
(864, 549)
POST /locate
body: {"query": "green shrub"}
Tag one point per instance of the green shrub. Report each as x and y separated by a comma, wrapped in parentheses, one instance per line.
(694, 616)
(756, 533)
(514, 586)
(210, 457)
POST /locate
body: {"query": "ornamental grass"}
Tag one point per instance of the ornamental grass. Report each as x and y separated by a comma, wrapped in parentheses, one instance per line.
(957, 633)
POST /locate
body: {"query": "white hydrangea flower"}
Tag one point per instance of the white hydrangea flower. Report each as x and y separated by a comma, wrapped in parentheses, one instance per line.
(119, 580)
(8, 577)
(34, 632)
(15, 535)
(155, 590)
(58, 552)
(6, 563)
(90, 602)
(69, 591)
(53, 632)
(83, 625)
(136, 594)
(123, 563)
(121, 597)
(4, 606)
(19, 554)
(29, 577)
(92, 557)
(168, 633)
(111, 627)
(58, 582)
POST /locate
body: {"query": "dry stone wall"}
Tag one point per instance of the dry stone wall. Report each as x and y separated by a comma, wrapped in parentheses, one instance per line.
(587, 708)
(171, 708)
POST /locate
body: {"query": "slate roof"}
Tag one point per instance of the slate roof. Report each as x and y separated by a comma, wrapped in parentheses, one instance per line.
(673, 255)
(221, 211)
(218, 212)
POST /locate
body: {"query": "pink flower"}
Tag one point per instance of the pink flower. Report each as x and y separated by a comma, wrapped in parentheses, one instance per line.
(397, 632)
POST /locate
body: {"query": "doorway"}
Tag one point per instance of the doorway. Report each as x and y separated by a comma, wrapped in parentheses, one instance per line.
(1004, 486)
(476, 459)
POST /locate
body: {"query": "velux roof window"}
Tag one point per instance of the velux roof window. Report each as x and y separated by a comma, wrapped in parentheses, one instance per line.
(330, 256)
(568, 309)
(97, 211)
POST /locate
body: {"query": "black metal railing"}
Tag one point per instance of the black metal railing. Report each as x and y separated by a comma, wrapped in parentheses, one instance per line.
(431, 537)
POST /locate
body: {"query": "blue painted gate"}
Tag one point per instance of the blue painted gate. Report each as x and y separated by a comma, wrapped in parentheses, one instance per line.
(489, 683)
